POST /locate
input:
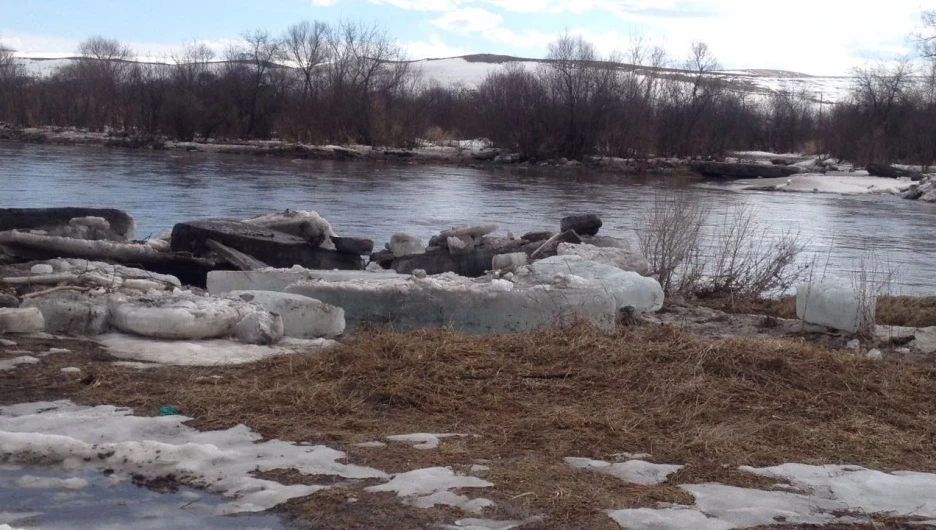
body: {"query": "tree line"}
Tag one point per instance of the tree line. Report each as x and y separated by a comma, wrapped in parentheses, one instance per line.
(351, 83)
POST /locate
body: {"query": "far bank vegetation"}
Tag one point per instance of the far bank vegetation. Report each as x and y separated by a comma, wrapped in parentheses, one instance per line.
(351, 83)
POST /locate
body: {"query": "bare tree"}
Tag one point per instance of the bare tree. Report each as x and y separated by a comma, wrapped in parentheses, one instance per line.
(307, 46)
(926, 40)
(101, 69)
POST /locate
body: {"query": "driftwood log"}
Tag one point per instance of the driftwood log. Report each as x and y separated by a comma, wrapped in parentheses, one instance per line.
(188, 269)
(238, 259)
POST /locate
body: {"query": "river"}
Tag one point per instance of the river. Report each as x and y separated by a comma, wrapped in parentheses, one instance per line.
(375, 200)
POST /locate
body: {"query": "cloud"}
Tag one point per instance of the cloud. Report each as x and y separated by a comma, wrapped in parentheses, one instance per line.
(434, 48)
(324, 3)
(468, 20)
(419, 5)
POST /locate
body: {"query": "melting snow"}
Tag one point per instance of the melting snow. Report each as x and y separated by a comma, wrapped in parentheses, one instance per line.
(829, 495)
(77, 437)
(30, 481)
(422, 440)
(7, 365)
(632, 471)
(425, 488)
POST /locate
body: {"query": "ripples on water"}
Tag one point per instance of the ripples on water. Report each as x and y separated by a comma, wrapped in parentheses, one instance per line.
(374, 200)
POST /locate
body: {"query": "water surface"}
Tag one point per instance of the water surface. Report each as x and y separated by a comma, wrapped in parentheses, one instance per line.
(376, 200)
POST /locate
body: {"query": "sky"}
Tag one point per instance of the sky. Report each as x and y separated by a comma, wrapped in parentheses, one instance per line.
(819, 37)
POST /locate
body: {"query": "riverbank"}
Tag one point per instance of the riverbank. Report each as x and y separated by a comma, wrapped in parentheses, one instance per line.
(476, 154)
(526, 423)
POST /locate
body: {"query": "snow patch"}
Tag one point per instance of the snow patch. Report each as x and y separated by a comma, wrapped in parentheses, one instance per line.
(633, 471)
(422, 440)
(78, 437)
(425, 488)
(8, 365)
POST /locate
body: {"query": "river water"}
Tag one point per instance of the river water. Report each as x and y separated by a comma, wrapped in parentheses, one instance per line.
(374, 200)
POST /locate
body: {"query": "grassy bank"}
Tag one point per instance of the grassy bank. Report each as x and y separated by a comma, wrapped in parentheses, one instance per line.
(533, 399)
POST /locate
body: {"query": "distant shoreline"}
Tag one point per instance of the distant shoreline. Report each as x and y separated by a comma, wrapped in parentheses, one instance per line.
(474, 156)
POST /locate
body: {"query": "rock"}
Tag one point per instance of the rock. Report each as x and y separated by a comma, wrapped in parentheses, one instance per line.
(307, 225)
(302, 317)
(874, 354)
(466, 305)
(41, 268)
(469, 231)
(177, 317)
(353, 245)
(73, 313)
(583, 225)
(471, 264)
(402, 244)
(221, 282)
(259, 327)
(833, 305)
(8, 300)
(21, 320)
(742, 171)
(617, 257)
(272, 247)
(629, 289)
(537, 236)
(52, 219)
(509, 262)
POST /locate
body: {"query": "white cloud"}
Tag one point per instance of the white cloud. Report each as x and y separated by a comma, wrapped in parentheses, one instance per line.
(323, 3)
(419, 5)
(434, 48)
(468, 20)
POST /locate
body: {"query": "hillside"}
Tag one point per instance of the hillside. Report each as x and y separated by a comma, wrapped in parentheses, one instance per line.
(470, 70)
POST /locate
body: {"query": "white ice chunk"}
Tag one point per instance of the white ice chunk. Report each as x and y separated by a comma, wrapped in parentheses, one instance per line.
(303, 317)
(629, 289)
(213, 352)
(21, 320)
(621, 258)
(833, 305)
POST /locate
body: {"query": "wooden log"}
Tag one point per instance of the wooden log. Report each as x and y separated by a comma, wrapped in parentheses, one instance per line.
(188, 269)
(238, 259)
(891, 172)
(47, 218)
(569, 236)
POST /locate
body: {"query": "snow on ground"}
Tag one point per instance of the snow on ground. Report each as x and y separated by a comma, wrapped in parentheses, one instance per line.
(633, 471)
(824, 495)
(77, 437)
(213, 352)
(422, 440)
(818, 183)
(425, 488)
(7, 365)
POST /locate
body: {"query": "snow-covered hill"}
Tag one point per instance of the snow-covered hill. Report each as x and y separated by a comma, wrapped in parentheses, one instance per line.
(471, 70)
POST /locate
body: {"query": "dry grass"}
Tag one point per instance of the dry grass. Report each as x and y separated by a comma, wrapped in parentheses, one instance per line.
(536, 398)
(911, 311)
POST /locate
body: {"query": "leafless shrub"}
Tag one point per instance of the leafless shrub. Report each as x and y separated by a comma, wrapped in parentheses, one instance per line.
(671, 237)
(747, 260)
(872, 278)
